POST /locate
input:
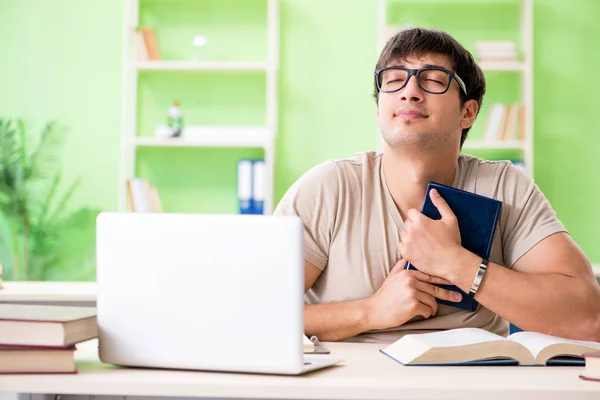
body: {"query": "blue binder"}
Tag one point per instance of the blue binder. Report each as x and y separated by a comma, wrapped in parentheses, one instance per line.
(244, 183)
(258, 186)
(477, 217)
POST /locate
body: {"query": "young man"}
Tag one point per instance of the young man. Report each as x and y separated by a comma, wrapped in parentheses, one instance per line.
(362, 220)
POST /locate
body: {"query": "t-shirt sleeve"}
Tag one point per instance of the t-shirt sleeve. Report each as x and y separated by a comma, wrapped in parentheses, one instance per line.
(314, 198)
(527, 215)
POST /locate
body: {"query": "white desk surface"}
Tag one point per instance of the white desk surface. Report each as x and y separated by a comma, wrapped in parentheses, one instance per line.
(365, 374)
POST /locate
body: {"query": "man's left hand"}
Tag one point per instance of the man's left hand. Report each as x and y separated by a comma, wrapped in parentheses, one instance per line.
(432, 245)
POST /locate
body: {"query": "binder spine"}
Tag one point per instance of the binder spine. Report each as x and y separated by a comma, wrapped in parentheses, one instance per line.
(244, 186)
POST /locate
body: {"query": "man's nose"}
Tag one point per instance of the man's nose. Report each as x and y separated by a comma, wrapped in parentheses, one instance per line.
(412, 92)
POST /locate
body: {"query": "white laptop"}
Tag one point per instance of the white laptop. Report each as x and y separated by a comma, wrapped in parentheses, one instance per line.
(202, 292)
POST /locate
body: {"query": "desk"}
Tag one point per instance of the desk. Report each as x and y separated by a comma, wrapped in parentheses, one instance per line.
(365, 374)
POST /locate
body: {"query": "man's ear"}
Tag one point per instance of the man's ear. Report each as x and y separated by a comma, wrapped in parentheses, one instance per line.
(468, 114)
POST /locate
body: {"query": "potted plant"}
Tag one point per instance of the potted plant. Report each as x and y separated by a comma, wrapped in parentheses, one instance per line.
(36, 225)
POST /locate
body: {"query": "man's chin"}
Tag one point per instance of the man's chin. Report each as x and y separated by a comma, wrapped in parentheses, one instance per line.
(415, 140)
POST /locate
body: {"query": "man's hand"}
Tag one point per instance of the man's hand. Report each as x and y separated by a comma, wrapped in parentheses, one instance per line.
(406, 294)
(432, 245)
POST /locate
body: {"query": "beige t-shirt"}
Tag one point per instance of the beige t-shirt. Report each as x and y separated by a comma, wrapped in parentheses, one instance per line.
(352, 230)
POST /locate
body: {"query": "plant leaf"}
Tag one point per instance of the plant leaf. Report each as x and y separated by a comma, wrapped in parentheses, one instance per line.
(7, 248)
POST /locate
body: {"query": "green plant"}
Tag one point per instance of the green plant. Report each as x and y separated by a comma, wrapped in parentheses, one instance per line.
(36, 226)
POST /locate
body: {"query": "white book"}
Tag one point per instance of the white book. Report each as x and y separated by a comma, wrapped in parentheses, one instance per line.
(472, 345)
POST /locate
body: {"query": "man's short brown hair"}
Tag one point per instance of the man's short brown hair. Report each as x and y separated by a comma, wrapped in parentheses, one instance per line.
(418, 42)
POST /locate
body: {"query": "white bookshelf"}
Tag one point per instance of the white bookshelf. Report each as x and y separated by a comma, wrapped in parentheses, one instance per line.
(217, 136)
(199, 66)
(523, 67)
(506, 66)
(262, 137)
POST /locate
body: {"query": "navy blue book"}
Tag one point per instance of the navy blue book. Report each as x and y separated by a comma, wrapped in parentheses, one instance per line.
(477, 217)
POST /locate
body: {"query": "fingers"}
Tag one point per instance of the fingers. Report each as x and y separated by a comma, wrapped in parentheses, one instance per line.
(413, 215)
(434, 280)
(399, 266)
(429, 302)
(441, 205)
(438, 292)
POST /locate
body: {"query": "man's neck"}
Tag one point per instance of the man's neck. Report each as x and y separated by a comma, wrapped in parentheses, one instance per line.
(407, 175)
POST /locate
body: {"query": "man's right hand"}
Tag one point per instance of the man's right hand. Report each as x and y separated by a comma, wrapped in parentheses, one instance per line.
(405, 294)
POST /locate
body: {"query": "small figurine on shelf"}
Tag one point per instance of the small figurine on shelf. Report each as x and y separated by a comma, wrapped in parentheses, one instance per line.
(175, 119)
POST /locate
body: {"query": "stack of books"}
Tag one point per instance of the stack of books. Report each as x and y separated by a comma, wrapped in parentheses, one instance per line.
(142, 196)
(42, 339)
(505, 122)
(495, 50)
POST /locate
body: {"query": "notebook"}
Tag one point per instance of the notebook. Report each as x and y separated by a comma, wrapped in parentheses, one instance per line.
(477, 217)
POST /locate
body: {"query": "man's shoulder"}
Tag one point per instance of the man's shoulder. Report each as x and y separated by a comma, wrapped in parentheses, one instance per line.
(331, 172)
(340, 167)
(472, 161)
(481, 168)
(358, 159)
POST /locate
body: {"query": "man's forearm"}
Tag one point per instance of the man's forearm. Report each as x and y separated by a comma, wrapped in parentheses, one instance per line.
(555, 304)
(336, 321)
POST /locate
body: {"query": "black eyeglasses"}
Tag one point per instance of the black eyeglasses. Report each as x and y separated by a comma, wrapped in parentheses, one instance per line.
(435, 80)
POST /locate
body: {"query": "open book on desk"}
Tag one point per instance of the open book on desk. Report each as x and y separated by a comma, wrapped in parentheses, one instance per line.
(474, 346)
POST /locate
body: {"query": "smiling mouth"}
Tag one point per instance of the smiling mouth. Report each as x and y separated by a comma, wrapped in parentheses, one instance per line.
(409, 114)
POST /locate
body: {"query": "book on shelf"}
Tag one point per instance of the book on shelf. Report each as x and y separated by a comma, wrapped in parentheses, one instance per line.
(142, 196)
(141, 51)
(474, 346)
(146, 45)
(504, 122)
(496, 50)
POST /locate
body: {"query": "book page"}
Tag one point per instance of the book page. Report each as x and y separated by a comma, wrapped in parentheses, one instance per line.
(536, 342)
(307, 344)
(457, 337)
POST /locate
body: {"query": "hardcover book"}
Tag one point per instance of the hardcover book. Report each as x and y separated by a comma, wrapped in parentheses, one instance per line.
(477, 217)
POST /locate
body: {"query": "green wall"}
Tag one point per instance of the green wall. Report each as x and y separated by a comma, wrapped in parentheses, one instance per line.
(61, 59)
